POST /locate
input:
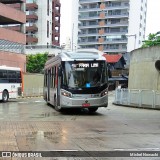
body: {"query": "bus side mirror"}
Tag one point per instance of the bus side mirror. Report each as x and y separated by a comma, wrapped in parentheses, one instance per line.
(59, 71)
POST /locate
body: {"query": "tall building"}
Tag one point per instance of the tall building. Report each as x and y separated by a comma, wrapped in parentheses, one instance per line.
(12, 42)
(110, 26)
(45, 16)
(42, 22)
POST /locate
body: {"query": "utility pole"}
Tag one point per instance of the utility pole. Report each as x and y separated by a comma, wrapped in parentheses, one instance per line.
(72, 35)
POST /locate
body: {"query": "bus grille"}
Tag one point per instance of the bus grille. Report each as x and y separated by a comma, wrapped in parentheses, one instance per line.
(19, 91)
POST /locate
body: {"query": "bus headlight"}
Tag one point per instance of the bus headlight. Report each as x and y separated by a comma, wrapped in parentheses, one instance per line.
(103, 93)
(66, 94)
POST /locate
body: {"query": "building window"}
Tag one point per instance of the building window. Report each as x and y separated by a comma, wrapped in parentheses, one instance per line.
(140, 25)
(47, 29)
(48, 7)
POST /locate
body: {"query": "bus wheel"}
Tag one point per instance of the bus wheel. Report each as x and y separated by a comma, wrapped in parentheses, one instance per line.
(57, 108)
(5, 96)
(92, 110)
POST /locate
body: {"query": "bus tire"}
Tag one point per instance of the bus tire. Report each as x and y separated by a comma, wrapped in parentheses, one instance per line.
(5, 96)
(57, 108)
(92, 110)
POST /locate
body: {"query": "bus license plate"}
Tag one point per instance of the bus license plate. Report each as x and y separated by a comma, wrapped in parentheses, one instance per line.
(85, 104)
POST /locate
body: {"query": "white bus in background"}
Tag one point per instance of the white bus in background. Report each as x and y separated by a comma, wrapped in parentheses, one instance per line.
(11, 85)
(76, 80)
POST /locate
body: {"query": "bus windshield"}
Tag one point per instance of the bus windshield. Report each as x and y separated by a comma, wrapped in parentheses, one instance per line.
(84, 74)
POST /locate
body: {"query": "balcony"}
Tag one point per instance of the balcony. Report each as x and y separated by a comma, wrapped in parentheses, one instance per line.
(56, 23)
(120, 15)
(104, 8)
(102, 41)
(120, 24)
(88, 34)
(32, 28)
(31, 6)
(88, 42)
(95, 25)
(57, 3)
(88, 17)
(11, 1)
(117, 41)
(89, 9)
(56, 12)
(105, 33)
(119, 50)
(88, 1)
(31, 39)
(13, 36)
(31, 16)
(10, 15)
(56, 33)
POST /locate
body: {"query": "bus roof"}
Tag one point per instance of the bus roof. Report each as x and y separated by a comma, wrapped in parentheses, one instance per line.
(81, 55)
(9, 68)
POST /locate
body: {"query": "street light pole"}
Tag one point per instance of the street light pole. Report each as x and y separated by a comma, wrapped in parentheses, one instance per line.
(72, 35)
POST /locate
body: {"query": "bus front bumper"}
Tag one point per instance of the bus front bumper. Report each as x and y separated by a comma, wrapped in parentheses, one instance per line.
(67, 102)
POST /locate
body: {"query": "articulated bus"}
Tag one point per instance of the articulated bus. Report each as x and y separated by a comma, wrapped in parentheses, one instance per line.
(76, 80)
(10, 83)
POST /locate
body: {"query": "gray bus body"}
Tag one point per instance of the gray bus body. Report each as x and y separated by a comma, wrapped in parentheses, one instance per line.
(76, 80)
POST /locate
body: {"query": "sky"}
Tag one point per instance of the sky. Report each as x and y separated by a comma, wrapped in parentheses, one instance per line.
(152, 20)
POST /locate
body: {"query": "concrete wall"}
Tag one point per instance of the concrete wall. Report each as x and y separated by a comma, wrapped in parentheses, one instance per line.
(142, 72)
(33, 81)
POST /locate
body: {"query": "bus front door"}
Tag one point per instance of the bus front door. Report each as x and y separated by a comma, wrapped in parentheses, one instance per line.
(49, 85)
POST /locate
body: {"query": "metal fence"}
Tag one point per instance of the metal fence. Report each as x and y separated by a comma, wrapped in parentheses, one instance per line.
(33, 92)
(138, 98)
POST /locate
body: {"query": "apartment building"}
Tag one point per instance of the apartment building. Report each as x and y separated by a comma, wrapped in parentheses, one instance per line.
(44, 17)
(12, 42)
(42, 22)
(111, 26)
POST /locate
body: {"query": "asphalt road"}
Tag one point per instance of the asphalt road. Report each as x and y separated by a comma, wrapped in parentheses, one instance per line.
(31, 125)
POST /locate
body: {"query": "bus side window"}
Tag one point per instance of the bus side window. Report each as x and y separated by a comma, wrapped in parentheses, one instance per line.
(51, 78)
(3, 76)
(12, 76)
(54, 77)
(45, 79)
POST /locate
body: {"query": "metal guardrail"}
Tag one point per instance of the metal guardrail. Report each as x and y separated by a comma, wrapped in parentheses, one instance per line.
(33, 92)
(138, 98)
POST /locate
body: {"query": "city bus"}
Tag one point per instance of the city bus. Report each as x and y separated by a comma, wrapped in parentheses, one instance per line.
(76, 80)
(11, 85)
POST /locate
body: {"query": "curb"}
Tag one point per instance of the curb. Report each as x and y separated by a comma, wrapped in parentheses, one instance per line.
(27, 97)
(132, 106)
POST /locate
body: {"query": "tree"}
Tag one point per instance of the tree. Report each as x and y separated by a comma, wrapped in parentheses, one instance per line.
(153, 40)
(35, 63)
